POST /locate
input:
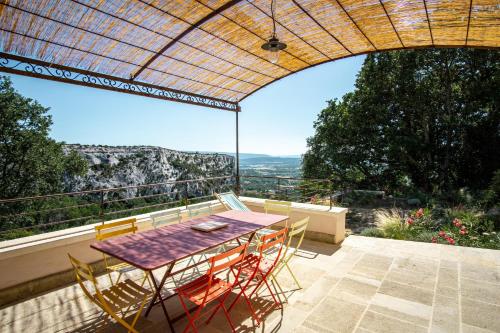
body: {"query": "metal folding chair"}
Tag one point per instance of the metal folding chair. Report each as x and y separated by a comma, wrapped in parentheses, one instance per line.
(120, 228)
(197, 210)
(257, 267)
(210, 288)
(231, 201)
(115, 301)
(278, 208)
(297, 230)
(167, 217)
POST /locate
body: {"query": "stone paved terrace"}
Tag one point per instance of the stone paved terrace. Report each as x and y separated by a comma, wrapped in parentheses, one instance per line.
(365, 285)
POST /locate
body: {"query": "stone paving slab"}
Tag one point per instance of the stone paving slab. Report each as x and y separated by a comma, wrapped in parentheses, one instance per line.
(366, 285)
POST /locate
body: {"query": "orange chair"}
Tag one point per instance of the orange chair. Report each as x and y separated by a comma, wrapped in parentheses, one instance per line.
(258, 267)
(209, 288)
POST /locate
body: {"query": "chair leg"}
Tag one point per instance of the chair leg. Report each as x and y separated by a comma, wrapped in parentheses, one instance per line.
(272, 294)
(275, 280)
(227, 316)
(247, 300)
(139, 311)
(118, 278)
(293, 275)
(123, 322)
(190, 318)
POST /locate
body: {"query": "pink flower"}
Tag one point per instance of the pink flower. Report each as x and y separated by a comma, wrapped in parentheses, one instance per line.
(457, 223)
(419, 213)
(442, 234)
(409, 221)
(434, 240)
(451, 241)
(462, 232)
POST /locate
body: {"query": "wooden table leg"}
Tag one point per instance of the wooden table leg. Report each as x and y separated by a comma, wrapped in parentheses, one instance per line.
(158, 288)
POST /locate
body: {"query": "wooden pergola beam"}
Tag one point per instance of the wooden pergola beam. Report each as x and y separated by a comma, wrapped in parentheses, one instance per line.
(184, 33)
(468, 23)
(392, 24)
(356, 25)
(320, 25)
(428, 21)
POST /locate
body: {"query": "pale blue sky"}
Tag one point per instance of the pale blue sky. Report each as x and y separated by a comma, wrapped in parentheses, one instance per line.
(276, 120)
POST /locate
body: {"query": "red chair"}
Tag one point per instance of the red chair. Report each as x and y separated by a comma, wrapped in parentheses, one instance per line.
(257, 267)
(209, 288)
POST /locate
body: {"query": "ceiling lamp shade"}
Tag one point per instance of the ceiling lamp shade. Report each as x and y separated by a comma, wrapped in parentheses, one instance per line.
(273, 45)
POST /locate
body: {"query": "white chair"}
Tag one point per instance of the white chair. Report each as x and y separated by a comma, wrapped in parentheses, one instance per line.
(198, 210)
(166, 217)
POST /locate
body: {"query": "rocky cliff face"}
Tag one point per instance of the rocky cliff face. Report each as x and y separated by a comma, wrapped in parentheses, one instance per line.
(118, 166)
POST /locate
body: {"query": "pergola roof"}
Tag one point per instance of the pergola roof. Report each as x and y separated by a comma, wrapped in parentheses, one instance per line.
(209, 51)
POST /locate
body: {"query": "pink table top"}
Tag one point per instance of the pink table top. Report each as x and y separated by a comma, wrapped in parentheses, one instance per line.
(156, 248)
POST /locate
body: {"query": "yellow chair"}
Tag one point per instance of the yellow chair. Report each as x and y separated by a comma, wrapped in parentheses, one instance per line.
(113, 229)
(278, 208)
(115, 301)
(297, 230)
(167, 217)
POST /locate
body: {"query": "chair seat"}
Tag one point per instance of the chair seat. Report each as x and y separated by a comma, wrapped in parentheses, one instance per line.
(265, 231)
(250, 262)
(123, 295)
(195, 290)
(121, 267)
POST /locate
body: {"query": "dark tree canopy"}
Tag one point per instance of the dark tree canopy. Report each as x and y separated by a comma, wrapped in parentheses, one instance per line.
(31, 163)
(427, 119)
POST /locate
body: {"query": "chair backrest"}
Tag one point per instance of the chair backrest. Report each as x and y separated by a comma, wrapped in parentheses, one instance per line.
(231, 201)
(225, 257)
(273, 240)
(200, 209)
(166, 217)
(84, 273)
(278, 207)
(297, 230)
(223, 261)
(107, 230)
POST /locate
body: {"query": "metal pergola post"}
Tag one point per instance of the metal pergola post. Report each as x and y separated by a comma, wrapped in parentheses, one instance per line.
(237, 189)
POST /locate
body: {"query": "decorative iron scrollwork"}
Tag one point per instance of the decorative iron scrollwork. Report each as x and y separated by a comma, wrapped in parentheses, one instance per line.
(40, 69)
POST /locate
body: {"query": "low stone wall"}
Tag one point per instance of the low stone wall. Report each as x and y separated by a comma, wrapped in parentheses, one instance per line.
(35, 264)
(325, 224)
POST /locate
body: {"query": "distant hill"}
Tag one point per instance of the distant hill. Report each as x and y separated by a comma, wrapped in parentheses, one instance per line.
(245, 156)
(292, 161)
(118, 166)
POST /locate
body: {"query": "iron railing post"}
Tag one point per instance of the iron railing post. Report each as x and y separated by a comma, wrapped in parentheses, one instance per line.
(331, 194)
(237, 188)
(101, 206)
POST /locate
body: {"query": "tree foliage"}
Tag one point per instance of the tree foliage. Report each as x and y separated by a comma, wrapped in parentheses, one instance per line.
(427, 119)
(31, 163)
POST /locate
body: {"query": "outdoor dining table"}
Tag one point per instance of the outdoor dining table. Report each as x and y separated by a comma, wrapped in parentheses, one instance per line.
(163, 247)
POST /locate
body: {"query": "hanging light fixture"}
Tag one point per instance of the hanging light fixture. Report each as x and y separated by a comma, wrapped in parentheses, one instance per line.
(273, 45)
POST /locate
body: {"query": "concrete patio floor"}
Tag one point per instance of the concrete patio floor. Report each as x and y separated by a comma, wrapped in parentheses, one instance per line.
(364, 285)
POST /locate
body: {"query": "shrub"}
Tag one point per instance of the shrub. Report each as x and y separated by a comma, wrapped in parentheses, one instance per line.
(373, 232)
(424, 236)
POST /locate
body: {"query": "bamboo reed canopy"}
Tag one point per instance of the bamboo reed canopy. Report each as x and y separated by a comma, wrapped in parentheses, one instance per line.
(208, 52)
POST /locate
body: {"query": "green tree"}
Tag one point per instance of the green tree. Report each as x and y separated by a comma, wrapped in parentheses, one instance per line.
(31, 163)
(427, 118)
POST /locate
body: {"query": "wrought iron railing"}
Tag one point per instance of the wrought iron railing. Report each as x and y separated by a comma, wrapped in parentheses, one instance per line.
(318, 191)
(26, 216)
